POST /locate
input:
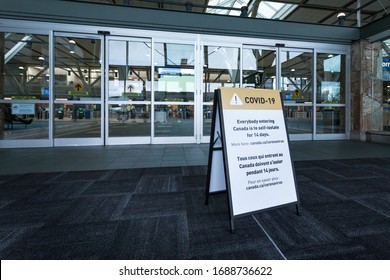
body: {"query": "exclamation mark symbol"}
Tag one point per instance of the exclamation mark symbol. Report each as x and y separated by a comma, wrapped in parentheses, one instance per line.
(235, 100)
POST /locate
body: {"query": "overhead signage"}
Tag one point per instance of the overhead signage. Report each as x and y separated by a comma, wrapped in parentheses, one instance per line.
(23, 97)
(78, 87)
(78, 93)
(386, 64)
(256, 156)
(78, 90)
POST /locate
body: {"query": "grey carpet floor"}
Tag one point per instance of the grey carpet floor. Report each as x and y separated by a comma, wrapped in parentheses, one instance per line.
(159, 213)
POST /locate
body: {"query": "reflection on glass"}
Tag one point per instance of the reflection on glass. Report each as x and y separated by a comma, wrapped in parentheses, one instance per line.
(207, 119)
(330, 78)
(24, 82)
(174, 120)
(330, 90)
(77, 120)
(221, 68)
(128, 120)
(174, 72)
(26, 67)
(25, 121)
(299, 119)
(297, 75)
(386, 116)
(386, 95)
(77, 69)
(129, 71)
(330, 120)
(259, 68)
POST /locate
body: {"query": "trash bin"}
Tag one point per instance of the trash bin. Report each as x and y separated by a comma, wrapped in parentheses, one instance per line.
(60, 113)
(87, 114)
(80, 113)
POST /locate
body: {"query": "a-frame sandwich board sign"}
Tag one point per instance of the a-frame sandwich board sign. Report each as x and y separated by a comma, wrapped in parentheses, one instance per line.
(216, 179)
(258, 172)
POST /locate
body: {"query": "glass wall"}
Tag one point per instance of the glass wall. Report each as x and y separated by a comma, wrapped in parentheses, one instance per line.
(132, 90)
(330, 103)
(174, 90)
(24, 86)
(221, 68)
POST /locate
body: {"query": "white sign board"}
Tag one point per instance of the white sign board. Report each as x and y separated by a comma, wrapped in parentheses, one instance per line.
(23, 109)
(257, 154)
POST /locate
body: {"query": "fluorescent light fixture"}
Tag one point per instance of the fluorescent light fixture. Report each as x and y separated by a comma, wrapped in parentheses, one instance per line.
(341, 15)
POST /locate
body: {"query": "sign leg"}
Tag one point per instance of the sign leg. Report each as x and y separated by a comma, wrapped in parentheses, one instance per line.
(298, 210)
(231, 226)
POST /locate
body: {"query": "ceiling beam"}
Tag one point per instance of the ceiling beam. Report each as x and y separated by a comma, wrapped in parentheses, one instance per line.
(377, 30)
(101, 16)
(17, 48)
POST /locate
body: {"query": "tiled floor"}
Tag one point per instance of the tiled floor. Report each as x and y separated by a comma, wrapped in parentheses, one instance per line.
(31, 160)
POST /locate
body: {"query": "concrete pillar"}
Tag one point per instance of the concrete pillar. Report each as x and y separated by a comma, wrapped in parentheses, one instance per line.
(366, 89)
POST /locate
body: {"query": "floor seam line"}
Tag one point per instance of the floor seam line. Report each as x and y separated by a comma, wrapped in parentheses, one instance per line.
(270, 239)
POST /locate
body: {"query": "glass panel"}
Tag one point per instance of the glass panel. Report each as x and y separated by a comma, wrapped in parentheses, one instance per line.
(259, 68)
(330, 78)
(77, 120)
(297, 75)
(330, 120)
(129, 71)
(174, 72)
(26, 67)
(77, 69)
(174, 120)
(386, 84)
(386, 116)
(207, 119)
(24, 76)
(129, 120)
(299, 119)
(221, 68)
(330, 90)
(25, 121)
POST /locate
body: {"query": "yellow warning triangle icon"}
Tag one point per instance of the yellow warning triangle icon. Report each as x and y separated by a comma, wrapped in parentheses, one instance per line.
(235, 100)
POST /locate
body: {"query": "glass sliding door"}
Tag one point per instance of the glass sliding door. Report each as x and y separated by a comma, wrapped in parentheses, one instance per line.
(129, 91)
(297, 92)
(221, 68)
(77, 90)
(174, 93)
(330, 105)
(259, 67)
